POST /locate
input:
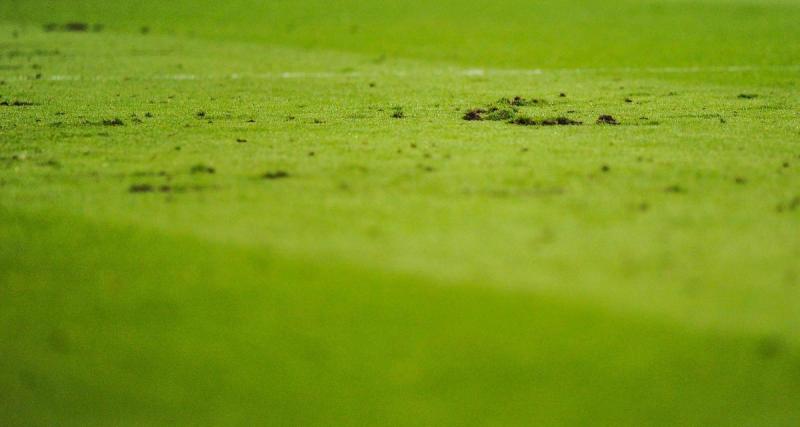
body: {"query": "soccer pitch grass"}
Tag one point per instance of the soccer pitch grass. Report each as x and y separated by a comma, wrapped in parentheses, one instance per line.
(217, 213)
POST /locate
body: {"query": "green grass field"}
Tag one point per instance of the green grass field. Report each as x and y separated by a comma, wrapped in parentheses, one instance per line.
(274, 213)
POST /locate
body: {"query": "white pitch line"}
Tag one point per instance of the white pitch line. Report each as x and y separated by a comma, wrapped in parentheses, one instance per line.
(469, 72)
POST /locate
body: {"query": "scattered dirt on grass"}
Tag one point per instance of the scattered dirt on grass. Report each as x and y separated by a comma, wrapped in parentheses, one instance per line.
(200, 114)
(278, 174)
(113, 122)
(141, 188)
(747, 96)
(202, 168)
(474, 114)
(72, 27)
(525, 121)
(149, 173)
(77, 27)
(398, 113)
(519, 101)
(508, 110)
(561, 121)
(17, 103)
(164, 188)
(557, 121)
(500, 113)
(606, 119)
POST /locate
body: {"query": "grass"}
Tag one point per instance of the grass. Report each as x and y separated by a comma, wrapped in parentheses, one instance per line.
(277, 212)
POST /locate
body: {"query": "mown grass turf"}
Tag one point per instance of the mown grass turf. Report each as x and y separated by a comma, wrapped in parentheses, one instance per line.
(249, 224)
(124, 326)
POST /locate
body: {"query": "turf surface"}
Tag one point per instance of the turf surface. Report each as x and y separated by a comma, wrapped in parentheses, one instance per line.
(214, 213)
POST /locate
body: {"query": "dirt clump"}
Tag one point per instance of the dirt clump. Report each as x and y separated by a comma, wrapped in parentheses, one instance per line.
(141, 188)
(557, 121)
(278, 174)
(71, 27)
(202, 168)
(474, 114)
(519, 101)
(113, 122)
(606, 119)
(16, 103)
(509, 110)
